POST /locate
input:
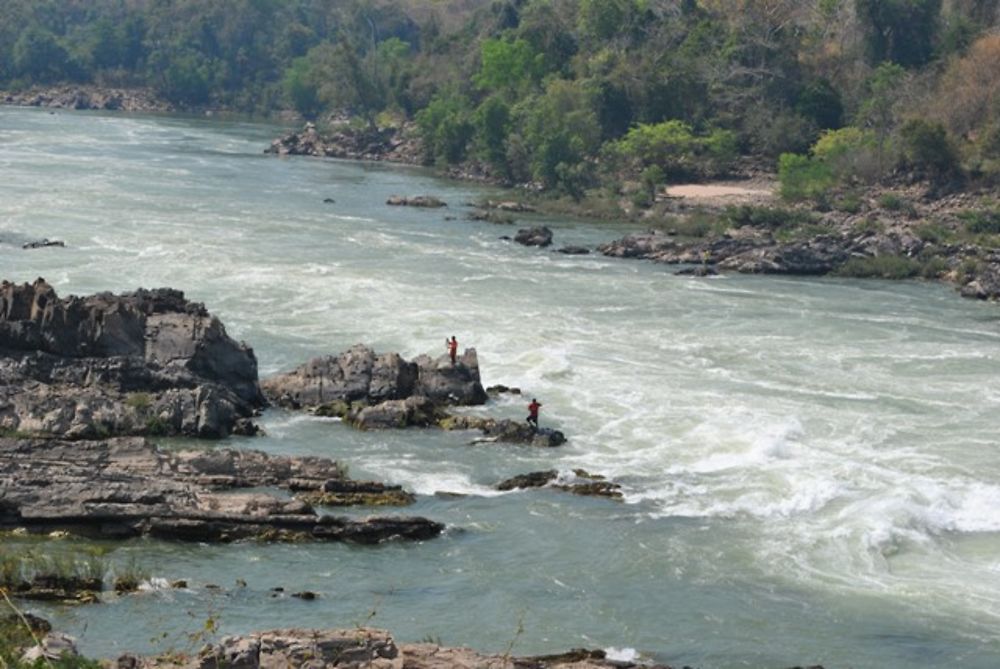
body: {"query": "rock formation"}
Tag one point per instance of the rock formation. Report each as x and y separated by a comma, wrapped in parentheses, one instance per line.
(389, 144)
(373, 390)
(505, 431)
(126, 487)
(579, 482)
(359, 648)
(422, 201)
(147, 362)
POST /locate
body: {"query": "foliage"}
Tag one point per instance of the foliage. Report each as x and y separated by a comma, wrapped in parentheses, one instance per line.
(902, 31)
(981, 221)
(880, 267)
(446, 127)
(926, 147)
(677, 150)
(508, 66)
(803, 178)
(770, 218)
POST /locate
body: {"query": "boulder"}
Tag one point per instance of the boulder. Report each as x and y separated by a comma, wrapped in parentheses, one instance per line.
(537, 236)
(577, 482)
(147, 362)
(574, 250)
(505, 431)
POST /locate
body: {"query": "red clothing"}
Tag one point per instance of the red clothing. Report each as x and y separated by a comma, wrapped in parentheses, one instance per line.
(533, 409)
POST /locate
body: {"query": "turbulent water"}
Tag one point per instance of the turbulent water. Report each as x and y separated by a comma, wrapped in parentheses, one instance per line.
(811, 466)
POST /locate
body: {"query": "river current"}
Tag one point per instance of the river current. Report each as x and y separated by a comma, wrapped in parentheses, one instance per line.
(811, 466)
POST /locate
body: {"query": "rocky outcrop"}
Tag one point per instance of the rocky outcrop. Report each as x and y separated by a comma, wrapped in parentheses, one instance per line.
(126, 487)
(420, 201)
(578, 482)
(88, 97)
(505, 431)
(537, 236)
(147, 362)
(342, 141)
(358, 648)
(373, 391)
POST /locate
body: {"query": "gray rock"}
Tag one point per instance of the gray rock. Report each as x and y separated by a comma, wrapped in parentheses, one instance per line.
(126, 487)
(147, 362)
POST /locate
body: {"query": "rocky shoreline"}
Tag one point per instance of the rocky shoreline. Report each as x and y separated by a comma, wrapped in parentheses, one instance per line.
(88, 97)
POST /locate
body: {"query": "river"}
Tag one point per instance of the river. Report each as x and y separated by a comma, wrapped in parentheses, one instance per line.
(810, 465)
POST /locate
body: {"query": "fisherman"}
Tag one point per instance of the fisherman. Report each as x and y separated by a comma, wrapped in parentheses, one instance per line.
(533, 412)
(452, 346)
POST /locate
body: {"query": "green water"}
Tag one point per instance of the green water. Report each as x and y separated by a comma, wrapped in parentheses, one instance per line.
(810, 466)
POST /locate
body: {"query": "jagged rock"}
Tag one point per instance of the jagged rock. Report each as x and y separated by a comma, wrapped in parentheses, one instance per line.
(358, 648)
(985, 285)
(147, 362)
(580, 483)
(574, 250)
(537, 236)
(500, 389)
(42, 244)
(349, 384)
(401, 145)
(414, 411)
(424, 201)
(126, 487)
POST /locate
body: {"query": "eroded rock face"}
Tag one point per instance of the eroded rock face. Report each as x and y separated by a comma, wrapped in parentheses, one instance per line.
(148, 362)
(126, 487)
(375, 391)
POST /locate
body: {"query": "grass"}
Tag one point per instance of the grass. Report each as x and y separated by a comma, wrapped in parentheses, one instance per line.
(129, 577)
(881, 267)
(981, 221)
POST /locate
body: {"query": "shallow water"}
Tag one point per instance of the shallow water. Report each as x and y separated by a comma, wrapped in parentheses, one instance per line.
(810, 465)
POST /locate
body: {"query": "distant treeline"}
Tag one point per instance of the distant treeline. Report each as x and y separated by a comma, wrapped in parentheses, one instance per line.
(570, 93)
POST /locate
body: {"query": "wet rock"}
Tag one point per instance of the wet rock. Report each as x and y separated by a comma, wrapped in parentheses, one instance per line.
(580, 483)
(532, 480)
(179, 584)
(306, 595)
(701, 270)
(359, 493)
(505, 431)
(509, 205)
(574, 250)
(88, 97)
(537, 236)
(329, 200)
(147, 362)
(42, 243)
(415, 411)
(500, 389)
(123, 488)
(423, 201)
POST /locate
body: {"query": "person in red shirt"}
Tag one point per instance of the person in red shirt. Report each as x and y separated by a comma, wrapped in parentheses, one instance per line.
(452, 345)
(533, 412)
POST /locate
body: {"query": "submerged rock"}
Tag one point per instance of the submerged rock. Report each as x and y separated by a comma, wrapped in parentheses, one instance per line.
(147, 362)
(123, 488)
(42, 243)
(574, 250)
(579, 483)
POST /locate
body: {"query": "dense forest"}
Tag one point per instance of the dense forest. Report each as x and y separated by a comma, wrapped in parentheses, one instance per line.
(570, 94)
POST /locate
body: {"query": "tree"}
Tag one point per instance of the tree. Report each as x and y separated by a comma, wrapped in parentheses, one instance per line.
(302, 88)
(508, 67)
(901, 31)
(39, 56)
(879, 110)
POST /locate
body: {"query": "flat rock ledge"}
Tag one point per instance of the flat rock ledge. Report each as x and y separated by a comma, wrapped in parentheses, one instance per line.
(126, 487)
(148, 362)
(359, 648)
(505, 431)
(378, 391)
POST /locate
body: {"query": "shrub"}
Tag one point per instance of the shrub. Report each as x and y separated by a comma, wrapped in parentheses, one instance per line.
(767, 217)
(981, 221)
(933, 233)
(891, 201)
(880, 267)
(446, 128)
(802, 178)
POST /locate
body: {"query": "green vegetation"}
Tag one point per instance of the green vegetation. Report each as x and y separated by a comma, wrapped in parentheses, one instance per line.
(572, 95)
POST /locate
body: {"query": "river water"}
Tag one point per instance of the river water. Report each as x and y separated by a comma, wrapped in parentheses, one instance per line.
(810, 465)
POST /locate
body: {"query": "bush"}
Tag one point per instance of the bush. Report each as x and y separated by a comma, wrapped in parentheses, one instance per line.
(767, 217)
(981, 221)
(446, 128)
(933, 233)
(802, 178)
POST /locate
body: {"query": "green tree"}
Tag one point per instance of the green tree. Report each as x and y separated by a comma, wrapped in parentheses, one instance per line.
(879, 110)
(508, 67)
(38, 55)
(492, 122)
(302, 88)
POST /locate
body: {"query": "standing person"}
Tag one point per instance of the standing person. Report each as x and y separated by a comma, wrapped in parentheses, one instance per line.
(452, 345)
(533, 412)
